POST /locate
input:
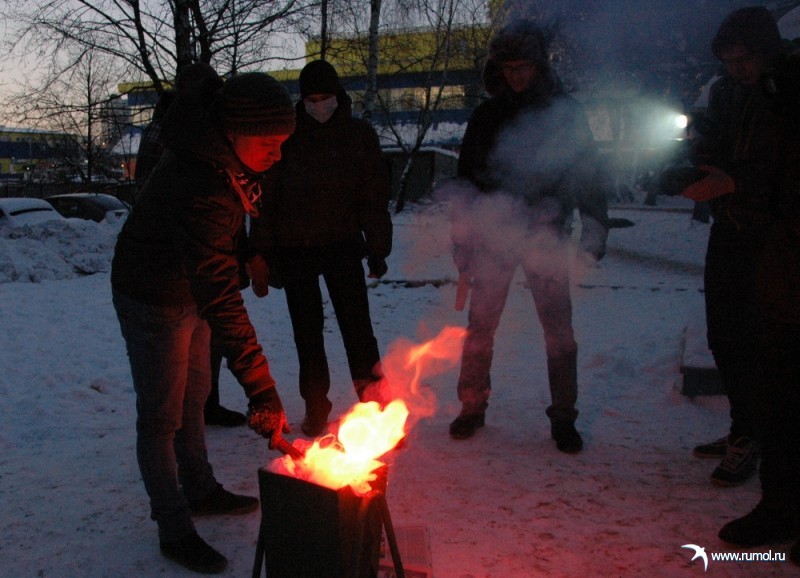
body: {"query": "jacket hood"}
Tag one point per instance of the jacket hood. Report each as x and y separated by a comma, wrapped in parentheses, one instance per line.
(753, 28)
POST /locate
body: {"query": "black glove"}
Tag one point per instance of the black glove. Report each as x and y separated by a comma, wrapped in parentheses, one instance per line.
(265, 415)
(377, 267)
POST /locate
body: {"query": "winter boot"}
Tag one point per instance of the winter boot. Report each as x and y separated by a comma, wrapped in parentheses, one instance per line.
(193, 553)
(222, 416)
(716, 449)
(763, 525)
(738, 465)
(316, 417)
(567, 438)
(466, 424)
(222, 502)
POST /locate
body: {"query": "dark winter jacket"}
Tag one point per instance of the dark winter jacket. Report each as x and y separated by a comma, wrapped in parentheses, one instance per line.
(742, 137)
(331, 188)
(536, 147)
(179, 244)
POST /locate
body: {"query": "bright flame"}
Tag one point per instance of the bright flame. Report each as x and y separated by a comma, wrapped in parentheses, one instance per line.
(368, 431)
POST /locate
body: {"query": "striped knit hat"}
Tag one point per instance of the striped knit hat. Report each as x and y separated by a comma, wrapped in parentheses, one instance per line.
(254, 103)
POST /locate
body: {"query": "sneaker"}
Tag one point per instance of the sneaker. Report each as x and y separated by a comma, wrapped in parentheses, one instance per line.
(193, 553)
(224, 417)
(465, 426)
(221, 502)
(715, 449)
(568, 440)
(761, 526)
(738, 465)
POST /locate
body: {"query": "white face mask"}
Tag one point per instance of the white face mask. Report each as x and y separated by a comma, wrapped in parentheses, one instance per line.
(322, 110)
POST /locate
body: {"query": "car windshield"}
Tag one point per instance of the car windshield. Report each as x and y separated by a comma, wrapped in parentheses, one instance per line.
(109, 203)
(29, 210)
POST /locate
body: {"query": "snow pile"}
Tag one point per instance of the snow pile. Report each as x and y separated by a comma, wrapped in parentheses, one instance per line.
(56, 250)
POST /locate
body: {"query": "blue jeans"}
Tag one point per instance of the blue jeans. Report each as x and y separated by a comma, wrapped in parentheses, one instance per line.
(547, 277)
(168, 349)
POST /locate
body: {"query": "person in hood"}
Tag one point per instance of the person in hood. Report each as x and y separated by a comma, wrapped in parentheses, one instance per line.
(530, 147)
(327, 212)
(751, 154)
(740, 152)
(175, 280)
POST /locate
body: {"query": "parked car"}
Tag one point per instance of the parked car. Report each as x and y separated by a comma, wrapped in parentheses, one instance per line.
(94, 206)
(21, 211)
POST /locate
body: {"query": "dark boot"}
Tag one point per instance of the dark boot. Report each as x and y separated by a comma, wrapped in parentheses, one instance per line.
(764, 525)
(567, 438)
(466, 424)
(562, 375)
(221, 502)
(193, 553)
(316, 417)
(222, 416)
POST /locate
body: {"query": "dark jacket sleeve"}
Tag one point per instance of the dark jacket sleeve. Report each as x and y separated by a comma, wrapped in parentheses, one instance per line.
(208, 230)
(373, 212)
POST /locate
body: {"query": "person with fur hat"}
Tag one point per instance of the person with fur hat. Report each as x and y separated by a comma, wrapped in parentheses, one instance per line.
(528, 147)
(750, 153)
(175, 280)
(327, 212)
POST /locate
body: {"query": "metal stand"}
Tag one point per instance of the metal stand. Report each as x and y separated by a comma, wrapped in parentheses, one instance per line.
(300, 520)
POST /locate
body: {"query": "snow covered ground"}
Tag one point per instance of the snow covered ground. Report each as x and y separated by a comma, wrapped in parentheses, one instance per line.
(504, 504)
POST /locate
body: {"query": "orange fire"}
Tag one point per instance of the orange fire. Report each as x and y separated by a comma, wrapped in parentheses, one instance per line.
(368, 431)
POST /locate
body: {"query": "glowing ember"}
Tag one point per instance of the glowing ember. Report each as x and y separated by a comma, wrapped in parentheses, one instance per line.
(368, 431)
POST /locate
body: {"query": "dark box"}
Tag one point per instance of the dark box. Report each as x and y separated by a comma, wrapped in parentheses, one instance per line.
(308, 531)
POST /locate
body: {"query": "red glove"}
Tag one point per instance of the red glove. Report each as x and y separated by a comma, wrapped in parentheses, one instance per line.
(716, 184)
(265, 415)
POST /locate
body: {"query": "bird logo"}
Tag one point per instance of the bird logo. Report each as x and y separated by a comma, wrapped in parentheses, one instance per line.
(699, 552)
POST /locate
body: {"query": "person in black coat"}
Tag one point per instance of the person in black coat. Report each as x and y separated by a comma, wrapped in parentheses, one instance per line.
(754, 188)
(529, 149)
(327, 212)
(175, 279)
(740, 150)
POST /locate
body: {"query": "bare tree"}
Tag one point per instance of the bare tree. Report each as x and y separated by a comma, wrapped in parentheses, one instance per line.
(74, 102)
(156, 38)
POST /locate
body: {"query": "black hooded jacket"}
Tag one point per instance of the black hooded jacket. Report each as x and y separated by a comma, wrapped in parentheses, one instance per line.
(332, 188)
(179, 245)
(746, 128)
(537, 147)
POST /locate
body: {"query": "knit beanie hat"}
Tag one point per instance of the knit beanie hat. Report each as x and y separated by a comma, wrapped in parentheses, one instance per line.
(319, 77)
(254, 103)
(753, 28)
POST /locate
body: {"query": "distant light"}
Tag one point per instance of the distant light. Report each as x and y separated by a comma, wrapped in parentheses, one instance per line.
(681, 121)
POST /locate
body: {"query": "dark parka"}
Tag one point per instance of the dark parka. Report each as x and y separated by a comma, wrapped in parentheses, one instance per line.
(180, 244)
(333, 188)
